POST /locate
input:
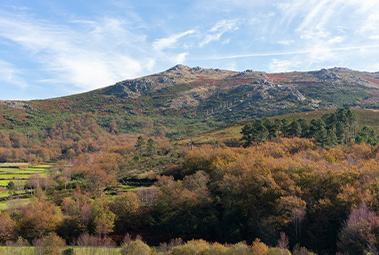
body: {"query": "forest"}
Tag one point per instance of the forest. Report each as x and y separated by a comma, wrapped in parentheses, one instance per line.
(290, 189)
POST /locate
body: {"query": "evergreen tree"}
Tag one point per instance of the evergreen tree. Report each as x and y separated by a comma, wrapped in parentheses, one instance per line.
(262, 133)
(340, 132)
(278, 125)
(321, 136)
(367, 135)
(247, 135)
(284, 127)
(294, 129)
(151, 147)
(271, 128)
(329, 120)
(140, 145)
(304, 127)
(332, 138)
(351, 120)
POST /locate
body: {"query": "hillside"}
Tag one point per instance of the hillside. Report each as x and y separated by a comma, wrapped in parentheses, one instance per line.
(204, 98)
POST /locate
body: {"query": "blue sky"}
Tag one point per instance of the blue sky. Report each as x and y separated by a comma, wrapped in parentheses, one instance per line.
(53, 48)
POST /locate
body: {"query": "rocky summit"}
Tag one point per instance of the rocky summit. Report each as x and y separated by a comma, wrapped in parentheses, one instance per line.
(206, 98)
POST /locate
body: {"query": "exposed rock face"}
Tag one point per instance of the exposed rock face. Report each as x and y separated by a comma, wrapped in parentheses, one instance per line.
(19, 105)
(296, 95)
(138, 85)
(118, 90)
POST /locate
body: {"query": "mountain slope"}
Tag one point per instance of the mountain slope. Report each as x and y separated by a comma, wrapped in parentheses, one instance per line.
(205, 98)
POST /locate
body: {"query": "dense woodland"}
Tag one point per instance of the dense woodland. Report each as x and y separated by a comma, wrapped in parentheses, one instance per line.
(286, 188)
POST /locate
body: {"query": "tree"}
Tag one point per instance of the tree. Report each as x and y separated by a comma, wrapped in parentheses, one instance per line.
(151, 147)
(140, 145)
(262, 133)
(359, 231)
(125, 207)
(271, 128)
(321, 136)
(102, 218)
(304, 127)
(190, 131)
(7, 227)
(284, 127)
(367, 135)
(294, 129)
(49, 244)
(39, 218)
(332, 138)
(247, 135)
(329, 120)
(341, 132)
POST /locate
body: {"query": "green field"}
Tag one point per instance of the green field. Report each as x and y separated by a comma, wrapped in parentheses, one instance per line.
(227, 134)
(29, 250)
(20, 171)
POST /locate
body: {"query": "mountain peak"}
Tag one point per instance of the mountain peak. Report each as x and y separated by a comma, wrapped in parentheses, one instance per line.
(179, 67)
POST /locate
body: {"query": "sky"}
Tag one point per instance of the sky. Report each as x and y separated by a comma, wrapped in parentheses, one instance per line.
(53, 48)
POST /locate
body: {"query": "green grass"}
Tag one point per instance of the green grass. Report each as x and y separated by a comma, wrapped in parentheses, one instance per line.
(364, 117)
(5, 204)
(29, 250)
(13, 164)
(12, 172)
(4, 194)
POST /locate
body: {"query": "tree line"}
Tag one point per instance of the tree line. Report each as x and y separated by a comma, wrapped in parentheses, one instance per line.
(331, 129)
(322, 199)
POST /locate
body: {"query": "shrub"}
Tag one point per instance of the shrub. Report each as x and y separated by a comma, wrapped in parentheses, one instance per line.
(69, 251)
(193, 247)
(135, 248)
(278, 251)
(240, 249)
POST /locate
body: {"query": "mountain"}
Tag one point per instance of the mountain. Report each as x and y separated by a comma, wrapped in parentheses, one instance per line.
(203, 98)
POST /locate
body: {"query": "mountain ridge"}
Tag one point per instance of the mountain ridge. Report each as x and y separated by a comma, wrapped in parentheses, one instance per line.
(206, 98)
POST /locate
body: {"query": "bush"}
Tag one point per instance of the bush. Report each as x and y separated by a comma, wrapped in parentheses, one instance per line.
(135, 248)
(69, 251)
(191, 248)
(278, 251)
(240, 249)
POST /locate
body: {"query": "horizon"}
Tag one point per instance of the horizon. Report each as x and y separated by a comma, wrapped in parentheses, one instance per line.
(55, 49)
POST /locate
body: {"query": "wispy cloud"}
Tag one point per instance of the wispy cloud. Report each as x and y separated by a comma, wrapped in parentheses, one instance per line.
(221, 27)
(11, 75)
(277, 65)
(170, 41)
(86, 60)
(286, 53)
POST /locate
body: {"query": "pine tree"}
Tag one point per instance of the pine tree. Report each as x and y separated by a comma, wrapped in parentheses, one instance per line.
(332, 138)
(367, 135)
(140, 145)
(304, 127)
(340, 132)
(284, 127)
(151, 147)
(321, 136)
(294, 129)
(271, 127)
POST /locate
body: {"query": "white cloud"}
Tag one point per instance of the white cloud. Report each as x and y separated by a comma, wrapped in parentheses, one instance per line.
(180, 58)
(86, 60)
(285, 42)
(277, 66)
(10, 74)
(170, 41)
(221, 27)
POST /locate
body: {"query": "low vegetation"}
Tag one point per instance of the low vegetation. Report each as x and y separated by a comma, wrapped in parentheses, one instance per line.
(282, 193)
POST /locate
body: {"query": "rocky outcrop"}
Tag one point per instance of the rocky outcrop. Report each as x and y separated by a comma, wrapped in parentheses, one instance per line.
(118, 90)
(295, 95)
(18, 105)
